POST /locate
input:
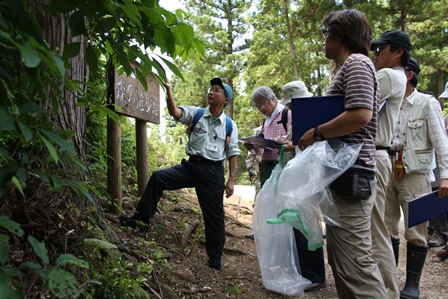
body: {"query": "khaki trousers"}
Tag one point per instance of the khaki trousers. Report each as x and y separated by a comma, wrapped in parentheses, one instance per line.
(399, 194)
(355, 272)
(382, 251)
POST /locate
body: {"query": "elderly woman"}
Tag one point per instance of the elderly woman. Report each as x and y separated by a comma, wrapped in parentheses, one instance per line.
(347, 42)
(276, 125)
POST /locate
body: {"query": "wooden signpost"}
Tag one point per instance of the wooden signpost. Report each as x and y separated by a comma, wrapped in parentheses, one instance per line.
(144, 105)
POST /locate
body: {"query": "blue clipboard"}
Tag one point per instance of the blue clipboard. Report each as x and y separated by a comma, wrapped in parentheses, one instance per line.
(426, 207)
(313, 111)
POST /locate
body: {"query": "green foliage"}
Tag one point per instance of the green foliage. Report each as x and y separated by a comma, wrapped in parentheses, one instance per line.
(234, 290)
(118, 279)
(62, 283)
(30, 147)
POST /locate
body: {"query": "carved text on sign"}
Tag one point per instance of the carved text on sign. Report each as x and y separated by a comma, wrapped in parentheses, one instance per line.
(135, 100)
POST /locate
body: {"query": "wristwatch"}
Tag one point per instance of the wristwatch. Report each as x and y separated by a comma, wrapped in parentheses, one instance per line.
(318, 136)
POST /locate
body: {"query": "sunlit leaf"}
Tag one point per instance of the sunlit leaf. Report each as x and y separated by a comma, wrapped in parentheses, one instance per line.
(99, 243)
(50, 148)
(60, 141)
(16, 182)
(71, 259)
(30, 57)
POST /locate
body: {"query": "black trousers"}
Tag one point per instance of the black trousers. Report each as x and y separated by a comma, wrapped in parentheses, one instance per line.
(207, 177)
(312, 263)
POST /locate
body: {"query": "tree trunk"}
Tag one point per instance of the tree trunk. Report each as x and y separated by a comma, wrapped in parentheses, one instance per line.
(67, 117)
(292, 49)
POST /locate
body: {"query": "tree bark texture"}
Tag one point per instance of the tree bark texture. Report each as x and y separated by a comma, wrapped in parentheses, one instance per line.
(56, 32)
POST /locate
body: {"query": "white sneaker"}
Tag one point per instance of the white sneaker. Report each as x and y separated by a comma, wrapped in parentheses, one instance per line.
(436, 240)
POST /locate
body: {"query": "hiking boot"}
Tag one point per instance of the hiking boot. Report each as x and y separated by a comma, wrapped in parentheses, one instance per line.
(134, 221)
(436, 240)
(316, 286)
(215, 263)
(250, 236)
(442, 253)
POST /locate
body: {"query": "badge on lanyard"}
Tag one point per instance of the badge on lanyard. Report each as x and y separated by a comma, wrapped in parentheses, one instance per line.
(211, 146)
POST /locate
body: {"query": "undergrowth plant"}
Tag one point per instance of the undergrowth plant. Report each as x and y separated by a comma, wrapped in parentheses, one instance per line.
(61, 283)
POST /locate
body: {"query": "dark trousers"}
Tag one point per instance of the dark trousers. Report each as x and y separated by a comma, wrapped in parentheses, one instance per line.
(207, 177)
(266, 170)
(312, 263)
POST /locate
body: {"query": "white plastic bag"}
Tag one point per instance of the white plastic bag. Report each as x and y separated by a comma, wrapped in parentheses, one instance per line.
(276, 249)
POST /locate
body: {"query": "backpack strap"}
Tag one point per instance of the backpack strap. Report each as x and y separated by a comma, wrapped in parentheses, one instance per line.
(284, 119)
(229, 128)
(229, 125)
(197, 117)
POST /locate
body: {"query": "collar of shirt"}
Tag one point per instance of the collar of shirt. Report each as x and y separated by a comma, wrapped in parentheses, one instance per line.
(278, 108)
(222, 117)
(411, 97)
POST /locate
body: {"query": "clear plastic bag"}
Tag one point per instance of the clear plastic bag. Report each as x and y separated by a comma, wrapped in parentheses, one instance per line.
(276, 249)
(297, 196)
(303, 197)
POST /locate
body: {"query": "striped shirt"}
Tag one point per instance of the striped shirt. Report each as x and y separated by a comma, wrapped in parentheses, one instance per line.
(357, 81)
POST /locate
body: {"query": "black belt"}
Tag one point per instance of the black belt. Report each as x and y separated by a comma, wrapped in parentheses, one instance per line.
(385, 148)
(392, 152)
(272, 162)
(202, 159)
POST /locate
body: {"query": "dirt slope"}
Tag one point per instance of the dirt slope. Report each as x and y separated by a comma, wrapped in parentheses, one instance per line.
(178, 237)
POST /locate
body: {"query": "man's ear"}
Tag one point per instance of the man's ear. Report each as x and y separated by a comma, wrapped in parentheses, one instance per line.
(409, 75)
(398, 53)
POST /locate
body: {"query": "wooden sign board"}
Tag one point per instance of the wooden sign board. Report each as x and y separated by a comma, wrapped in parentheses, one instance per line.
(137, 102)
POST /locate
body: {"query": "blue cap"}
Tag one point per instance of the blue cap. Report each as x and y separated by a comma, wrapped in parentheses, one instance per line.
(227, 88)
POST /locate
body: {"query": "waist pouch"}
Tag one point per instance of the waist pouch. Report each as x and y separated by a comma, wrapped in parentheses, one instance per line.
(354, 184)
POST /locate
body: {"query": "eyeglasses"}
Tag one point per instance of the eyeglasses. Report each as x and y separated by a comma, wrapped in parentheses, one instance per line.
(381, 48)
(216, 90)
(261, 106)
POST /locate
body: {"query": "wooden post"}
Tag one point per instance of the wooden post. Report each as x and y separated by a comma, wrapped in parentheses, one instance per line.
(142, 155)
(114, 164)
(143, 104)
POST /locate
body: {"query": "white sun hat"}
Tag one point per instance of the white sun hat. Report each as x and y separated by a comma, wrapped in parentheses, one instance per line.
(294, 89)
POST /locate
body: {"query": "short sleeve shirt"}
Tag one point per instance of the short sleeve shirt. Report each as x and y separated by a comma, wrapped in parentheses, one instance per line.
(208, 136)
(356, 80)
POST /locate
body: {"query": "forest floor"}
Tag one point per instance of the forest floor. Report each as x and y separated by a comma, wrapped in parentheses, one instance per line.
(178, 236)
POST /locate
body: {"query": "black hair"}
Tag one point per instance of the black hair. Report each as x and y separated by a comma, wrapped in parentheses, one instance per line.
(406, 54)
(352, 27)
